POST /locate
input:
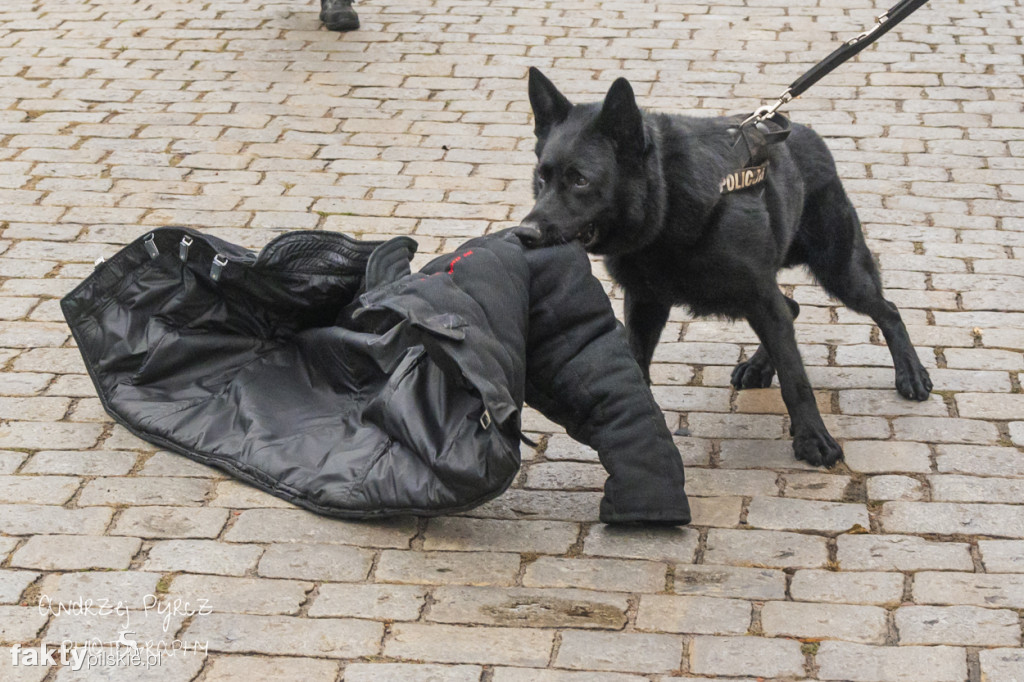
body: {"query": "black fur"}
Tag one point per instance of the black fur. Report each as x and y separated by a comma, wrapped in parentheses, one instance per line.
(644, 190)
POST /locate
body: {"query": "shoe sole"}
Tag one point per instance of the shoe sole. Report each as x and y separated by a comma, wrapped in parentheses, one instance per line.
(344, 24)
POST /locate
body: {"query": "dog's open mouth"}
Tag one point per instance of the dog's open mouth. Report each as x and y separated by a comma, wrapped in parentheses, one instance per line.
(588, 235)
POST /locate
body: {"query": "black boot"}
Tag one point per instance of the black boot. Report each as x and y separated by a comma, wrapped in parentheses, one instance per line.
(338, 15)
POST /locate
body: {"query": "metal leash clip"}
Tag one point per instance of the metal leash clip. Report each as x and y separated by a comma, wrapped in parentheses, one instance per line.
(879, 20)
(766, 111)
(219, 261)
(485, 419)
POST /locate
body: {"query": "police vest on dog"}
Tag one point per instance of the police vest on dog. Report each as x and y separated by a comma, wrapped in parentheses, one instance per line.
(744, 178)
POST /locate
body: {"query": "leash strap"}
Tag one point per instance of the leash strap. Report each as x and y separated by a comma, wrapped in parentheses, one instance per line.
(884, 23)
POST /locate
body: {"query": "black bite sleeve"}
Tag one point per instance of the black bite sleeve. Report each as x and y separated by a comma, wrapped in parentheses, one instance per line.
(581, 374)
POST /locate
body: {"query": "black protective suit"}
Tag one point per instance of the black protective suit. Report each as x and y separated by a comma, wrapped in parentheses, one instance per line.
(324, 372)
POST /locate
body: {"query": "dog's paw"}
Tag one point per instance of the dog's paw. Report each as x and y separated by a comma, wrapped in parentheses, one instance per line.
(914, 383)
(754, 373)
(817, 447)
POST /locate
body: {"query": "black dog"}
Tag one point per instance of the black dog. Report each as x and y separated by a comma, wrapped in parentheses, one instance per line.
(646, 190)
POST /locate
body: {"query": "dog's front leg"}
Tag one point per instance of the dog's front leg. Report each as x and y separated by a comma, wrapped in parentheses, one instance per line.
(645, 319)
(772, 320)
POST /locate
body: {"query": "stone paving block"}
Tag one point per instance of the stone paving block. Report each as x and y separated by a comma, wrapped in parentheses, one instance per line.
(13, 583)
(1002, 556)
(854, 623)
(1002, 664)
(21, 673)
(376, 602)
(238, 495)
(542, 537)
(619, 651)
(763, 657)
(847, 588)
(131, 588)
(288, 525)
(656, 544)
(548, 675)
(990, 406)
(49, 436)
(30, 519)
(945, 430)
(946, 518)
(949, 488)
(901, 553)
(764, 548)
(718, 512)
(411, 672)
(863, 663)
(700, 615)
(873, 457)
(760, 454)
(262, 596)
(729, 581)
(316, 562)
(169, 464)
(247, 668)
(1005, 590)
(617, 575)
(730, 482)
(556, 505)
(76, 552)
(485, 645)
(566, 476)
(11, 460)
(81, 463)
(895, 488)
(38, 489)
(144, 491)
(286, 635)
(170, 522)
(20, 623)
(792, 514)
(202, 556)
(441, 568)
(961, 625)
(980, 461)
(814, 486)
(528, 607)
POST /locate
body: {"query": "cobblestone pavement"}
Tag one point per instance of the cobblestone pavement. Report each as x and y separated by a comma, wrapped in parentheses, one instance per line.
(244, 116)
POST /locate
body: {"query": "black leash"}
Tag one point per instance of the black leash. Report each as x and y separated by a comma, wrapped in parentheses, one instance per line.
(884, 23)
(766, 126)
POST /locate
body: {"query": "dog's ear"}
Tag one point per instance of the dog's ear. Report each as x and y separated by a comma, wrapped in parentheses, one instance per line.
(550, 107)
(620, 119)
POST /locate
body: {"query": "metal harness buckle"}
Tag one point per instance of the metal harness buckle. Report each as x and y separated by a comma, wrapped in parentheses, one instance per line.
(150, 244)
(186, 242)
(219, 261)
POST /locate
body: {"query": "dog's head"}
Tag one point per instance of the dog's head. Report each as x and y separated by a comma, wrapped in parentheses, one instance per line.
(590, 180)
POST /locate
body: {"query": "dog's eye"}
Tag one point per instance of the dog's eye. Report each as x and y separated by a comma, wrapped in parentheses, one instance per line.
(578, 180)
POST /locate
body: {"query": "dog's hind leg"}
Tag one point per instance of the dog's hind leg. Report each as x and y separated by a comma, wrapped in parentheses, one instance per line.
(758, 371)
(846, 269)
(645, 320)
(772, 320)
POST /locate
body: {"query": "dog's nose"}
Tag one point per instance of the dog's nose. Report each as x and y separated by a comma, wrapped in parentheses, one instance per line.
(529, 233)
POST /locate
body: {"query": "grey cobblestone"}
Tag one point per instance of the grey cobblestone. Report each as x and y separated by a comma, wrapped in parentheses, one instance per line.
(248, 119)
